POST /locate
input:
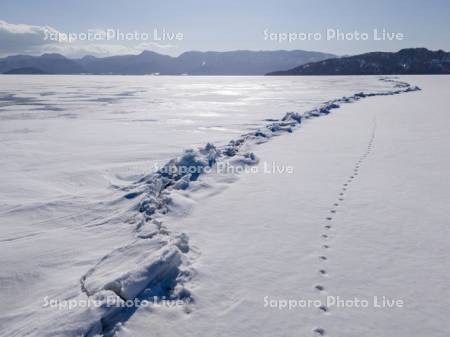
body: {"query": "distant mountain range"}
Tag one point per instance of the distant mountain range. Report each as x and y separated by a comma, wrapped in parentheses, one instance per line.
(47, 63)
(406, 61)
(240, 62)
(26, 70)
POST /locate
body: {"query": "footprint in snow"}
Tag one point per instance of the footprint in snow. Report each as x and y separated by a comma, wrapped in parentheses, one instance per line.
(319, 331)
(319, 287)
(323, 308)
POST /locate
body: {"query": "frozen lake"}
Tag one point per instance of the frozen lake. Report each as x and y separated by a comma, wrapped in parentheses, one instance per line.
(62, 136)
(71, 144)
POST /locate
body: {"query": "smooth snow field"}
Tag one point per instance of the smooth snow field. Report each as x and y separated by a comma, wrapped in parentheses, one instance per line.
(229, 206)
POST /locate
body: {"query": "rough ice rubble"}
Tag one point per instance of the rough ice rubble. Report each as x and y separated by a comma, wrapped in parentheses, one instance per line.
(128, 270)
(158, 255)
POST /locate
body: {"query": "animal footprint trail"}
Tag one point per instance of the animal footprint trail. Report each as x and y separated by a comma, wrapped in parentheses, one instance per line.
(325, 238)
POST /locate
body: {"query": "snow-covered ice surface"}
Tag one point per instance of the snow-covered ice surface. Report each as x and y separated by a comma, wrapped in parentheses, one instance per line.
(82, 214)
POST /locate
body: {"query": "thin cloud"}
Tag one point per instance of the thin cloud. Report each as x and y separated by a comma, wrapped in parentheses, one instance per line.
(31, 40)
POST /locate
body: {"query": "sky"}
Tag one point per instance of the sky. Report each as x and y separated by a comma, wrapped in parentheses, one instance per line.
(343, 27)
